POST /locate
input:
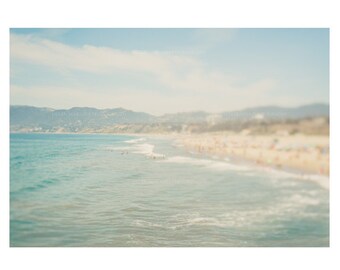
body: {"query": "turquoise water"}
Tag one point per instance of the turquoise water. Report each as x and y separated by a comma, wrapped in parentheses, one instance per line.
(106, 190)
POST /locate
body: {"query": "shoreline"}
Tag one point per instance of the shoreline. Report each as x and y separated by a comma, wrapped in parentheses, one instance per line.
(290, 171)
(299, 154)
(303, 155)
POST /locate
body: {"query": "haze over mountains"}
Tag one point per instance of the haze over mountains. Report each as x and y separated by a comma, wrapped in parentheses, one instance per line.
(84, 119)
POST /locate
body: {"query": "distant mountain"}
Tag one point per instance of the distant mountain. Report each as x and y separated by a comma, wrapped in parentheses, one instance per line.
(73, 119)
(275, 112)
(265, 112)
(83, 119)
(313, 110)
(184, 117)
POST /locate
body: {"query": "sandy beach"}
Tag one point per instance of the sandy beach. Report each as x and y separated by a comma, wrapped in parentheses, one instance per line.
(308, 154)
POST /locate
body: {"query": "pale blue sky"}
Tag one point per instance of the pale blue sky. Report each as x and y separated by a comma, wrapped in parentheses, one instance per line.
(169, 70)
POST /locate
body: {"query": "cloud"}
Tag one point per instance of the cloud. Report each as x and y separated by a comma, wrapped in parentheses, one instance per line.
(173, 70)
(154, 102)
(178, 81)
(95, 59)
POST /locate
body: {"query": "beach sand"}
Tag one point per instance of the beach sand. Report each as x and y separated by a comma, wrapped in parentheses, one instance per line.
(304, 153)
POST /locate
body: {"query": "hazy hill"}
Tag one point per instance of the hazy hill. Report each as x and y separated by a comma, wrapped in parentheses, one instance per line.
(73, 119)
(275, 112)
(84, 119)
(184, 117)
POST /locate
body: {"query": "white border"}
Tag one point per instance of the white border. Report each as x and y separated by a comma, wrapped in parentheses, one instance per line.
(175, 13)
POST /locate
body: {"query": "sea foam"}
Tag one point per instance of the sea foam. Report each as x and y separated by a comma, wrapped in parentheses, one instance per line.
(207, 163)
(147, 150)
(135, 140)
(323, 181)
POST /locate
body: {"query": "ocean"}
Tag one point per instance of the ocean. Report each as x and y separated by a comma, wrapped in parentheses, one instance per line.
(77, 190)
